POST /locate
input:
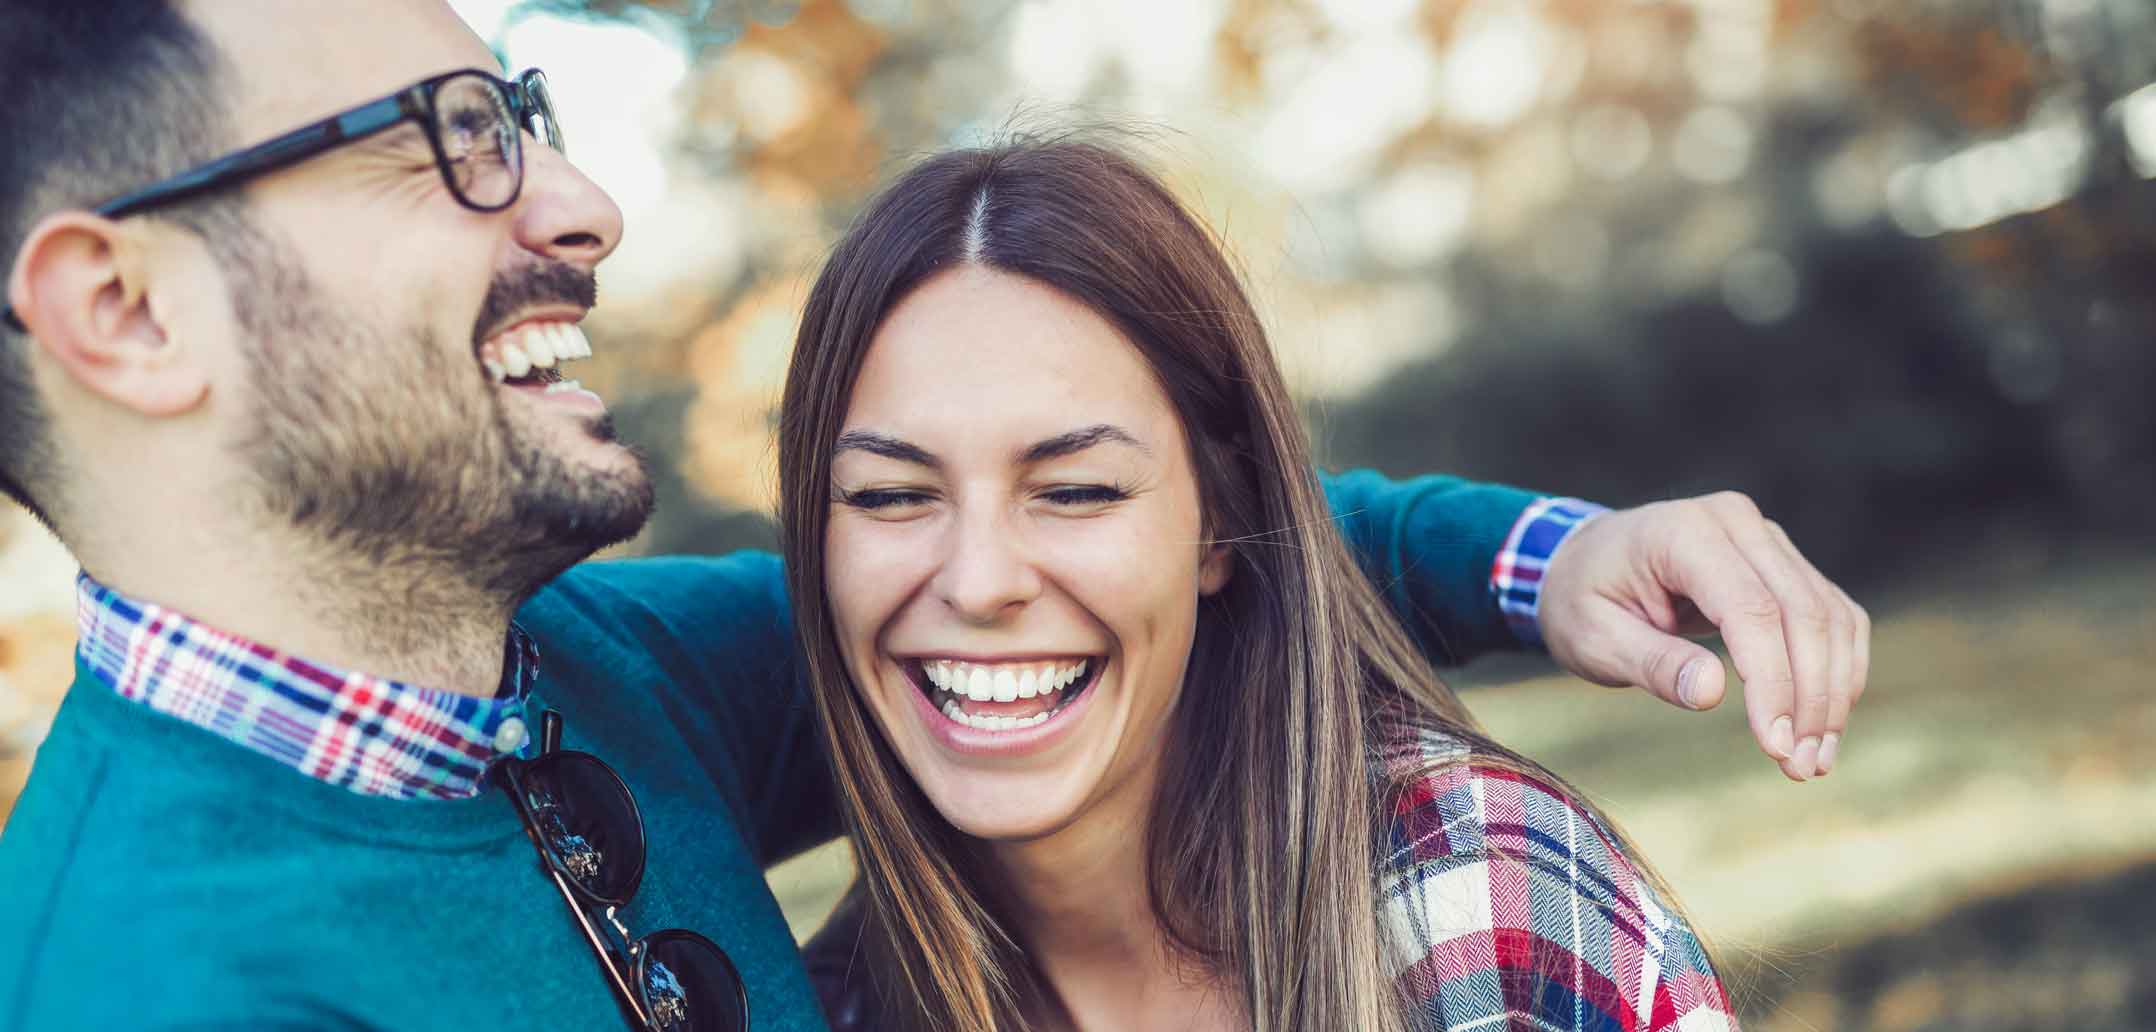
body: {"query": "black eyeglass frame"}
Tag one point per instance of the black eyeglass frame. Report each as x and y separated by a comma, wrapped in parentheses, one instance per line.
(626, 964)
(530, 107)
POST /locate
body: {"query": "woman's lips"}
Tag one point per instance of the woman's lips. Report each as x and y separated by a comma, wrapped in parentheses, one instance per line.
(984, 709)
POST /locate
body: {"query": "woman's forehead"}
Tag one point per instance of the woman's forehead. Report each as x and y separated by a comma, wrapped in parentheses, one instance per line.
(997, 346)
(988, 328)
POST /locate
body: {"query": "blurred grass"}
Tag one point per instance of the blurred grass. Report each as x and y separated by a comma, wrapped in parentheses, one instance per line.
(2000, 755)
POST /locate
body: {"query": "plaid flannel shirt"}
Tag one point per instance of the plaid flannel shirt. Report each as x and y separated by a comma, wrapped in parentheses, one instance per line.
(1509, 908)
(371, 735)
(1516, 576)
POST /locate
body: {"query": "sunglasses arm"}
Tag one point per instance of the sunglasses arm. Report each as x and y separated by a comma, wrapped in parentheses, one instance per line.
(602, 951)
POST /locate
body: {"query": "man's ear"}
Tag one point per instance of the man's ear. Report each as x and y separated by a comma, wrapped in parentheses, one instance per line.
(80, 283)
(1216, 569)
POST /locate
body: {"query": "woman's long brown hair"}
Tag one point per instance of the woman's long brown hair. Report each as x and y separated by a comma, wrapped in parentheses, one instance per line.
(1265, 840)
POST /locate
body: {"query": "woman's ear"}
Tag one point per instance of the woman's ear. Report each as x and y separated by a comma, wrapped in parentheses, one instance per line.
(81, 286)
(1216, 569)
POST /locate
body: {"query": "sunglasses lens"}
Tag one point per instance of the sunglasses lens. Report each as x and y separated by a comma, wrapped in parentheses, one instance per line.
(689, 985)
(593, 832)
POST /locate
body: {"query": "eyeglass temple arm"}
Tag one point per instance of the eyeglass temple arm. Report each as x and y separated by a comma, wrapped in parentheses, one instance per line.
(269, 156)
(291, 148)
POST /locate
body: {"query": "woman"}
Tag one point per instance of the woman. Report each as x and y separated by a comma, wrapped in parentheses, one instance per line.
(1125, 739)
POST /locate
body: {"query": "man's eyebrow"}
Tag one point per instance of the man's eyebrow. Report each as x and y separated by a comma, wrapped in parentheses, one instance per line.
(885, 445)
(1079, 440)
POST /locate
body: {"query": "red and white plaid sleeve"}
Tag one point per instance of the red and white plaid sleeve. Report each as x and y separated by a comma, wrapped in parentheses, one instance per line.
(1508, 907)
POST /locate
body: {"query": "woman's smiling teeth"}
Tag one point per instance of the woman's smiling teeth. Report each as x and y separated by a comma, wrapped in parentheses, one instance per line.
(536, 345)
(1002, 696)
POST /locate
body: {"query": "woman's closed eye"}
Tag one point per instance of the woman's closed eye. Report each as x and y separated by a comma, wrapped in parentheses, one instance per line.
(1083, 496)
(883, 500)
(900, 502)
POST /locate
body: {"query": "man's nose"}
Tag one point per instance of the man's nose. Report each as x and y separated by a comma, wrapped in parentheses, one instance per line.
(985, 576)
(561, 214)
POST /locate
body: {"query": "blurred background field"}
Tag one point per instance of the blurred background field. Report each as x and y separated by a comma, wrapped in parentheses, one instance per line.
(1884, 264)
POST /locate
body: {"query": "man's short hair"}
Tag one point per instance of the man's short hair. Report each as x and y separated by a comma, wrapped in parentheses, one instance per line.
(96, 98)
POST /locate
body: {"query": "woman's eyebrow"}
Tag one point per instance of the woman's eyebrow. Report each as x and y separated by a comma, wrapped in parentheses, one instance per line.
(1079, 440)
(890, 447)
(885, 445)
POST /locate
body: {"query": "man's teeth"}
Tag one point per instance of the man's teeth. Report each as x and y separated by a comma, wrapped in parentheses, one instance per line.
(1002, 682)
(562, 387)
(534, 346)
(539, 345)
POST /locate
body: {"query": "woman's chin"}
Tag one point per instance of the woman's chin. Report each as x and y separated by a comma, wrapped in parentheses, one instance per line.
(1004, 807)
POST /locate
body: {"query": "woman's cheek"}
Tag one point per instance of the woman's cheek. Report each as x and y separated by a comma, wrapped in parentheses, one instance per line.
(1129, 548)
(868, 562)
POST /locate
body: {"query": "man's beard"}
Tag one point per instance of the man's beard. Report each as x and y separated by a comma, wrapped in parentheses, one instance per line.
(395, 451)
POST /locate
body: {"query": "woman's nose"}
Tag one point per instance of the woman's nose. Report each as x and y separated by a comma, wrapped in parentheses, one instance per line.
(985, 575)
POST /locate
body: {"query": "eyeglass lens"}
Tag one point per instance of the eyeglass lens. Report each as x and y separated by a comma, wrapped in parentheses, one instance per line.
(479, 139)
(544, 124)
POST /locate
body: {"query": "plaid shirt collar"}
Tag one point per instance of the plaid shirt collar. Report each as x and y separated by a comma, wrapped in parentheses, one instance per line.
(373, 736)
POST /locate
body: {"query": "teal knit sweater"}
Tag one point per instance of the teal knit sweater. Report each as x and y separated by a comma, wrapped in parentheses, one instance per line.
(154, 876)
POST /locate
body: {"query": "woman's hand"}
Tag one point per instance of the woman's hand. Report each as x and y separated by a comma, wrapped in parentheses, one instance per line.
(1622, 591)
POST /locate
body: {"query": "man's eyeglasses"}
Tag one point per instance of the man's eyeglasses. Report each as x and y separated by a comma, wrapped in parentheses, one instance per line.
(590, 838)
(474, 122)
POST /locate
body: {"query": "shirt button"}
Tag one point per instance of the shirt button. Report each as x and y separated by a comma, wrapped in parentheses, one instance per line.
(511, 736)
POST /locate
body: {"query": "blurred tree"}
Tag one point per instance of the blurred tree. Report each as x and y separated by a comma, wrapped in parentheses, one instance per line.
(1877, 263)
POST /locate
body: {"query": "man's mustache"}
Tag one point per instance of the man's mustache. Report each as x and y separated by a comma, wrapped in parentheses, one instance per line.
(549, 283)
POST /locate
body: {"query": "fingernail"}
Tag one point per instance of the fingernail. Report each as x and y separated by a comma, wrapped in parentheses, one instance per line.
(1782, 738)
(1828, 747)
(1688, 682)
(1806, 760)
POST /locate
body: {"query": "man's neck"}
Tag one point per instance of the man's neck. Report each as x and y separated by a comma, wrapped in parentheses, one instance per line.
(406, 622)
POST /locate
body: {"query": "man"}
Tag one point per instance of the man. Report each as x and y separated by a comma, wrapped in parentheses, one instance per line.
(295, 416)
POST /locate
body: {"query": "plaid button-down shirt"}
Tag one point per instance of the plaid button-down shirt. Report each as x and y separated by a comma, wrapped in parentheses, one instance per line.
(374, 736)
(1509, 908)
(1516, 576)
